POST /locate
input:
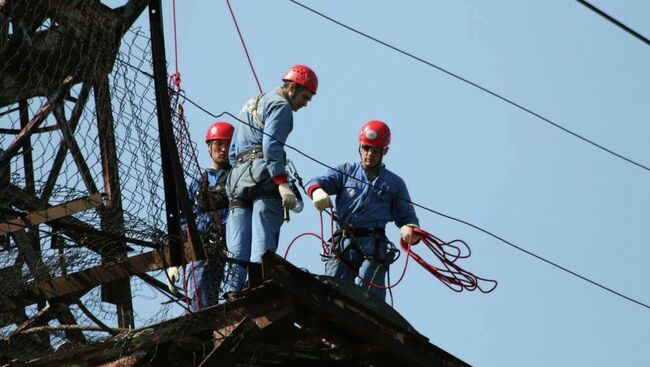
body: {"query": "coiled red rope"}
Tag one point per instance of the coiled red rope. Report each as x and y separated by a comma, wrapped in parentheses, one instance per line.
(449, 272)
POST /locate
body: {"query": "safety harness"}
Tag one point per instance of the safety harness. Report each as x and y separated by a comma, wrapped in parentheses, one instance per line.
(351, 234)
(247, 156)
(213, 199)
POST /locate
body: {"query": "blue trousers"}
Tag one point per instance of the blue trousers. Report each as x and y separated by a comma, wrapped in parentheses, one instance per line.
(254, 224)
(250, 233)
(366, 256)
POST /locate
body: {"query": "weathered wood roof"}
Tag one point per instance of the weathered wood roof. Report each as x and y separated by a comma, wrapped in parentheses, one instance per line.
(285, 317)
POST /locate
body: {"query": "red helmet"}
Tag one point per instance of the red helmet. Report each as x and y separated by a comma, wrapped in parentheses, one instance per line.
(302, 75)
(375, 133)
(220, 130)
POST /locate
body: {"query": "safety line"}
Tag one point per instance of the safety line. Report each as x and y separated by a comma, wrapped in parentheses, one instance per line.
(615, 22)
(241, 38)
(504, 99)
(175, 38)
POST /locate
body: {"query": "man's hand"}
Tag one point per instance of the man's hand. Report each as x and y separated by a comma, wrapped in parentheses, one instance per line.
(321, 199)
(172, 277)
(407, 235)
(288, 197)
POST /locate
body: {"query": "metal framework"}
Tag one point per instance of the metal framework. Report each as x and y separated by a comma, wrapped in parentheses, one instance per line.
(59, 53)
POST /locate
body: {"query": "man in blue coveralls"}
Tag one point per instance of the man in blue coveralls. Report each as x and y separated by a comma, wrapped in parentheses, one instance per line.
(367, 197)
(258, 186)
(211, 209)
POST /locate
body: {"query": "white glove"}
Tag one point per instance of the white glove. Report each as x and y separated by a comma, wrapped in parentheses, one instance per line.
(288, 197)
(321, 199)
(172, 277)
(407, 234)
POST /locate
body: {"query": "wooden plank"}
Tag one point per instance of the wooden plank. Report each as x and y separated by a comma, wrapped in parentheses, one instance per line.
(343, 312)
(226, 352)
(92, 277)
(59, 159)
(51, 213)
(112, 218)
(77, 155)
(79, 231)
(131, 360)
(34, 123)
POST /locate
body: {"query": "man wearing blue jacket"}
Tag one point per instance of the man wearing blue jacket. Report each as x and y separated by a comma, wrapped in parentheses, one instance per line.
(368, 196)
(258, 186)
(211, 210)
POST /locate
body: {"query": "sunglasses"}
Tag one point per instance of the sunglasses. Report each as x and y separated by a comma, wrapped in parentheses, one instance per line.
(370, 148)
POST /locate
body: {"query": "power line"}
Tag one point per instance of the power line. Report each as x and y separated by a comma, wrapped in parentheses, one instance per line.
(485, 231)
(615, 22)
(484, 89)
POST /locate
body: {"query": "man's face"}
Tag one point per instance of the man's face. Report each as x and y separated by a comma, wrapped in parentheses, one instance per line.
(218, 150)
(301, 99)
(370, 156)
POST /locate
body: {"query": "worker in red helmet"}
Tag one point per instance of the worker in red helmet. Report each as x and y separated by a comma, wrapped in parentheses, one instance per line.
(368, 196)
(258, 186)
(208, 192)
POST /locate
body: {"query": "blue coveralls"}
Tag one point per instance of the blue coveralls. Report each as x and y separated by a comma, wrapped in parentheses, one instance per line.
(256, 212)
(361, 207)
(204, 273)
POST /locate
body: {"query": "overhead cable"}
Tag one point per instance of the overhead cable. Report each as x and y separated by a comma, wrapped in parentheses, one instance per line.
(615, 22)
(484, 89)
(489, 233)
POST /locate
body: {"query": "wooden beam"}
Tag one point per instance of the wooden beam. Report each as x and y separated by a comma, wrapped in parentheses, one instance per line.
(51, 213)
(226, 352)
(89, 278)
(82, 98)
(112, 218)
(74, 228)
(131, 360)
(36, 120)
(30, 322)
(88, 25)
(79, 160)
(358, 318)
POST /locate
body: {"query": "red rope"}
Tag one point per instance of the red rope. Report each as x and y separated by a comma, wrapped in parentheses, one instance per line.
(241, 38)
(176, 77)
(449, 273)
(453, 276)
(327, 252)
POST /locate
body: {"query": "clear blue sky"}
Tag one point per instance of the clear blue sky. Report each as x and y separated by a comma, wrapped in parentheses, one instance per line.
(469, 155)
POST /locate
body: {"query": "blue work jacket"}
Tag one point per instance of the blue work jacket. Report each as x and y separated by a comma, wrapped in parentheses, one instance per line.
(275, 113)
(363, 203)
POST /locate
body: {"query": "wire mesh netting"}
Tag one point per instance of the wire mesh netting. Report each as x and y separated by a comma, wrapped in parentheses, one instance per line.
(81, 178)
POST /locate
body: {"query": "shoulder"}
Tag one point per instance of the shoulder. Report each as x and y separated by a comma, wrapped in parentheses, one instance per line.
(393, 177)
(275, 100)
(348, 168)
